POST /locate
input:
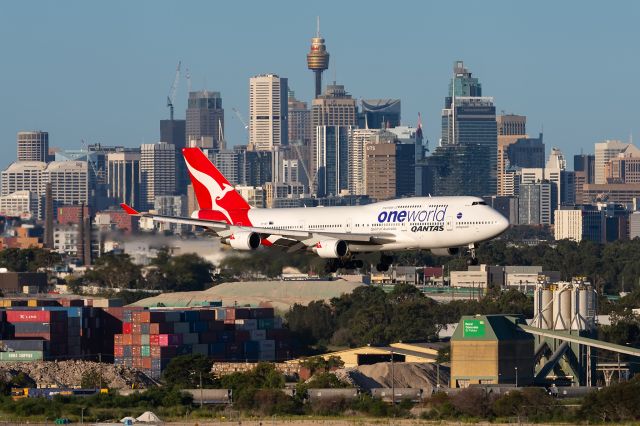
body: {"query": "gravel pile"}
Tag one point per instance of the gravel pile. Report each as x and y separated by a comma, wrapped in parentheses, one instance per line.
(405, 375)
(69, 373)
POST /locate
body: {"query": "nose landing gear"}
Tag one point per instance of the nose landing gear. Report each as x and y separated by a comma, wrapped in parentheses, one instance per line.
(473, 260)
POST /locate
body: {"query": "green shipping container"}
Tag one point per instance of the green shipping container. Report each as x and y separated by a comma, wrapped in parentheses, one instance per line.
(266, 323)
(21, 356)
(145, 350)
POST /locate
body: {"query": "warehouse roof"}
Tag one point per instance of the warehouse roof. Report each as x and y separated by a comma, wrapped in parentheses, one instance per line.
(490, 327)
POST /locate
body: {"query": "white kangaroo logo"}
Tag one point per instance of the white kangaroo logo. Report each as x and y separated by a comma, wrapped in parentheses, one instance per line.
(216, 191)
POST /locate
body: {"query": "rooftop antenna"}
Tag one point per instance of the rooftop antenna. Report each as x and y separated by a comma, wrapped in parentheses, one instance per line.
(318, 26)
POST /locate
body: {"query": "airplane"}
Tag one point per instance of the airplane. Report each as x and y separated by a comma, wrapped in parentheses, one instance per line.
(443, 225)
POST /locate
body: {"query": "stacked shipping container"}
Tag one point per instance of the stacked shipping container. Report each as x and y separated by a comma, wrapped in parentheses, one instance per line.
(150, 339)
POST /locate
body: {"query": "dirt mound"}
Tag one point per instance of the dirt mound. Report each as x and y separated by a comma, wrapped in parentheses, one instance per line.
(69, 373)
(403, 375)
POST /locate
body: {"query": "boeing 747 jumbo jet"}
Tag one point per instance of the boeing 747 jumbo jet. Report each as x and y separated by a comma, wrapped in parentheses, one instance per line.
(440, 224)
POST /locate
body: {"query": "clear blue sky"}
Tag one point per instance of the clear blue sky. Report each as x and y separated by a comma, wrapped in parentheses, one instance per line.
(101, 71)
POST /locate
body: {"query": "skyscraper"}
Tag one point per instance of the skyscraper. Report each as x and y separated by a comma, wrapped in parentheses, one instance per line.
(584, 170)
(157, 172)
(33, 146)
(318, 59)
(299, 122)
(389, 166)
(268, 111)
(469, 139)
(335, 107)
(535, 203)
(332, 154)
(358, 138)
(510, 127)
(205, 120)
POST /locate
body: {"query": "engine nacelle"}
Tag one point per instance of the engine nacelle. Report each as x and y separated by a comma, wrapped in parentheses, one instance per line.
(452, 251)
(331, 249)
(244, 240)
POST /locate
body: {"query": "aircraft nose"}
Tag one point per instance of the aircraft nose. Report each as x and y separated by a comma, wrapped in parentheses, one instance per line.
(503, 223)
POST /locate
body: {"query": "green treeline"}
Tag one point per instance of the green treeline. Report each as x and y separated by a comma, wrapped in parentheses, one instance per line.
(371, 316)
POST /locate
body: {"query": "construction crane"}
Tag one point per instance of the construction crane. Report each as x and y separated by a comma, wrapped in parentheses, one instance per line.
(242, 120)
(172, 91)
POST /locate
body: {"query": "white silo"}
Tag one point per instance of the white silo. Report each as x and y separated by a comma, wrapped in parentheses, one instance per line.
(547, 309)
(562, 307)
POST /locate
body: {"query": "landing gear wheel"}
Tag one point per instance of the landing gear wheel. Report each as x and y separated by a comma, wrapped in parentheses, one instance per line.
(472, 252)
(331, 266)
(386, 259)
(358, 263)
(382, 267)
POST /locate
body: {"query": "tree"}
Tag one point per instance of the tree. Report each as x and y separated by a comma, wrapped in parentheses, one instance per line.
(28, 260)
(187, 272)
(184, 371)
(93, 379)
(115, 271)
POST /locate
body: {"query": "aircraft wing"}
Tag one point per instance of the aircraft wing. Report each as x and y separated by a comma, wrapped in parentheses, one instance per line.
(285, 238)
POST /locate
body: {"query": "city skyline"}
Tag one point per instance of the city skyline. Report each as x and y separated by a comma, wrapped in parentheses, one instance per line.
(120, 60)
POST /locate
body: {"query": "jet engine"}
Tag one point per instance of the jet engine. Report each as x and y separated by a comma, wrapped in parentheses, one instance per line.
(331, 249)
(243, 240)
(452, 251)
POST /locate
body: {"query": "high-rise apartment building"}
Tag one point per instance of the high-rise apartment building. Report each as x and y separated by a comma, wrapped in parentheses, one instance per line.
(205, 120)
(69, 182)
(335, 107)
(175, 132)
(584, 171)
(579, 223)
(23, 176)
(535, 203)
(33, 146)
(358, 138)
(332, 165)
(157, 172)
(123, 177)
(268, 112)
(379, 113)
(605, 151)
(469, 145)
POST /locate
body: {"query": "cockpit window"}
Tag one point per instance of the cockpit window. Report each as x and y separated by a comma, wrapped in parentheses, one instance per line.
(481, 203)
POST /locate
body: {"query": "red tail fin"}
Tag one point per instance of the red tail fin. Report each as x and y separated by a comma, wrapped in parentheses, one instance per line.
(212, 189)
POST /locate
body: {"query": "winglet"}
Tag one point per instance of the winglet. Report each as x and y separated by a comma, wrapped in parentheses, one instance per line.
(130, 210)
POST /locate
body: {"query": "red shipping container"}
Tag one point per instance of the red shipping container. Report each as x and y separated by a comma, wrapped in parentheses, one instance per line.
(169, 339)
(118, 351)
(154, 340)
(126, 328)
(146, 363)
(36, 316)
(143, 316)
(115, 312)
(136, 339)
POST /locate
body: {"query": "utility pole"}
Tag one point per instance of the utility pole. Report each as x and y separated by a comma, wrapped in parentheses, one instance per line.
(393, 382)
(516, 376)
(201, 391)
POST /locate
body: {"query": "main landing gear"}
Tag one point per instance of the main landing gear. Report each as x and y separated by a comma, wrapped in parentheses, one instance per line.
(385, 261)
(333, 265)
(473, 260)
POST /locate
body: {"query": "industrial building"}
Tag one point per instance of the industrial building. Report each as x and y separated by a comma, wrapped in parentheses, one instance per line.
(491, 349)
(401, 352)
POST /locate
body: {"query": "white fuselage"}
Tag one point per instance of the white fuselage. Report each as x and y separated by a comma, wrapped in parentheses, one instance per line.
(412, 223)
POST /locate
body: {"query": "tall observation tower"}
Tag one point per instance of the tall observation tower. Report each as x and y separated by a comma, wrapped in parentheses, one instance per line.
(318, 58)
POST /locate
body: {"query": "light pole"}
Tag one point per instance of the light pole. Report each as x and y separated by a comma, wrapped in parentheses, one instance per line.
(82, 415)
(516, 376)
(393, 383)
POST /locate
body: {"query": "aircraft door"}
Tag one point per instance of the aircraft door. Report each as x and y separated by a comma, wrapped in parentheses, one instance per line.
(348, 225)
(449, 223)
